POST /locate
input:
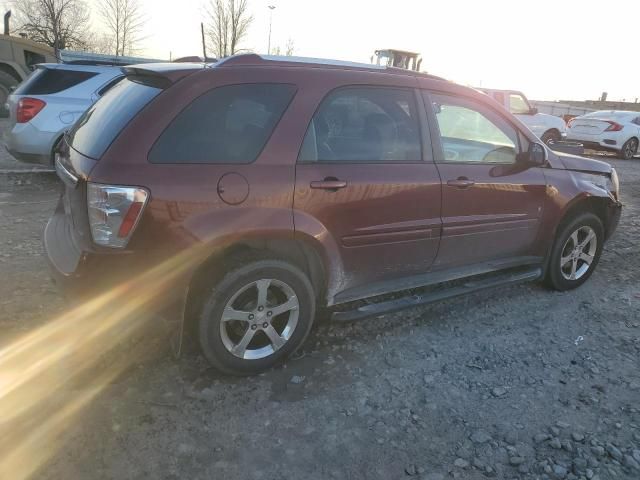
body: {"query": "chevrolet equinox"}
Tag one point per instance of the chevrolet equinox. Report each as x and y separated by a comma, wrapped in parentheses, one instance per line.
(263, 188)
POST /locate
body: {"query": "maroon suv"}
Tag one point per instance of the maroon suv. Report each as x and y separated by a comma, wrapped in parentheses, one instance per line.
(247, 194)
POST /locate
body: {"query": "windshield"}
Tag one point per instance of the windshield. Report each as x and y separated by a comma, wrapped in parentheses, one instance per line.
(100, 125)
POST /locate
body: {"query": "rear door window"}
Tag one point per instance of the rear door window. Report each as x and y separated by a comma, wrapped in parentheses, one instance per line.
(229, 124)
(46, 81)
(364, 124)
(105, 119)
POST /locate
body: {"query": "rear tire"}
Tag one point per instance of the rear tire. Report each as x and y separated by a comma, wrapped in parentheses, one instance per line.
(6, 82)
(629, 149)
(575, 253)
(256, 316)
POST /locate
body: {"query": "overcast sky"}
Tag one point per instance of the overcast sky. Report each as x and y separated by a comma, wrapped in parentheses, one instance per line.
(550, 49)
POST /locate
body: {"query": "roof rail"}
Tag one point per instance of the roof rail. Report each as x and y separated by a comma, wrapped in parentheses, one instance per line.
(253, 59)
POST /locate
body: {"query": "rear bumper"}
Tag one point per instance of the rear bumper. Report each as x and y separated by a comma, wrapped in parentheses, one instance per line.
(612, 144)
(114, 278)
(28, 144)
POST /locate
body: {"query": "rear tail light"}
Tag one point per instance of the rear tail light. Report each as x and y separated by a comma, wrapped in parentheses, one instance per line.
(114, 212)
(613, 126)
(28, 108)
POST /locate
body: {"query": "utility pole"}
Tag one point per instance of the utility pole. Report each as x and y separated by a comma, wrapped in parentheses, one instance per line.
(204, 45)
(271, 8)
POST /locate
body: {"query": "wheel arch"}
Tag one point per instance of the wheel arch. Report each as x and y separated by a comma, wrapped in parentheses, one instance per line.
(10, 70)
(598, 205)
(552, 130)
(300, 252)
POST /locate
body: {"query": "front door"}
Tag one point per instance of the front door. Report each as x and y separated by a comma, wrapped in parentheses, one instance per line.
(491, 199)
(363, 187)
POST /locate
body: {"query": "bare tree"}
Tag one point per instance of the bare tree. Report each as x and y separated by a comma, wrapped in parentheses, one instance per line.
(228, 24)
(100, 43)
(123, 20)
(289, 48)
(57, 23)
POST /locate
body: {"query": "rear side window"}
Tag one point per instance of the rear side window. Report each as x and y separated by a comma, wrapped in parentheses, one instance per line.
(229, 124)
(364, 124)
(105, 119)
(46, 81)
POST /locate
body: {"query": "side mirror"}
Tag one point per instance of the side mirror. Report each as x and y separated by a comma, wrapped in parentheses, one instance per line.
(533, 111)
(537, 154)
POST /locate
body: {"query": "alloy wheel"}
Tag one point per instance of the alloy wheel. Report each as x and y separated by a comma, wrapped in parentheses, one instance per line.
(578, 253)
(259, 319)
(630, 149)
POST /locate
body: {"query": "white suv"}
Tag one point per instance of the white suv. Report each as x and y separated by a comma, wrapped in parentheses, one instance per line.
(546, 127)
(47, 104)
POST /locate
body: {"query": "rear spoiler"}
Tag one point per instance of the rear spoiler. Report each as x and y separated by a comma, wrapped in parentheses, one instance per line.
(162, 72)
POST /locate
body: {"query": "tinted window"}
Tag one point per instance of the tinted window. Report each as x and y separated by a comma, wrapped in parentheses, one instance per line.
(225, 125)
(636, 120)
(470, 132)
(364, 125)
(103, 121)
(46, 81)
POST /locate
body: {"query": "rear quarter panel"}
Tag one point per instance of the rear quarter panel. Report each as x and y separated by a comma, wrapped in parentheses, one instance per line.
(185, 212)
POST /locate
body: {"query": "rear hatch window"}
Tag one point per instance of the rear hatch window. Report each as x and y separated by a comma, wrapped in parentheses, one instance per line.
(45, 81)
(98, 127)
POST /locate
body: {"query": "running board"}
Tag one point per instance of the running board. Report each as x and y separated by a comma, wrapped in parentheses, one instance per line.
(470, 286)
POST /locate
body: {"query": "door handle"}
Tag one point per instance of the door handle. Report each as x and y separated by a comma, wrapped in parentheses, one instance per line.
(330, 183)
(461, 182)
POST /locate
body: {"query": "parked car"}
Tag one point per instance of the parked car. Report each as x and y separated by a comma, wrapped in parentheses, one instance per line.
(263, 188)
(614, 131)
(48, 103)
(548, 128)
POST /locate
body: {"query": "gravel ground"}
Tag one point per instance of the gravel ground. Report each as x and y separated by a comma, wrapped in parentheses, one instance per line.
(517, 383)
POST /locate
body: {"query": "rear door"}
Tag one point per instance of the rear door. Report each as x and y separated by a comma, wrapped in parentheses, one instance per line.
(491, 201)
(364, 186)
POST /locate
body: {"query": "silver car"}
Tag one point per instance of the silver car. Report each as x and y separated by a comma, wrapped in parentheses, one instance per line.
(47, 104)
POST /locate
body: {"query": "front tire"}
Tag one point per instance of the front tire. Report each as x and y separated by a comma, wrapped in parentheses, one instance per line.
(256, 316)
(550, 136)
(575, 253)
(629, 149)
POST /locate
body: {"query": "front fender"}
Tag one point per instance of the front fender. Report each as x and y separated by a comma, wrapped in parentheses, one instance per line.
(567, 193)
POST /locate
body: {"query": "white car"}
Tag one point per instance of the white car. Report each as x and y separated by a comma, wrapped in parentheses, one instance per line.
(610, 130)
(547, 128)
(47, 104)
